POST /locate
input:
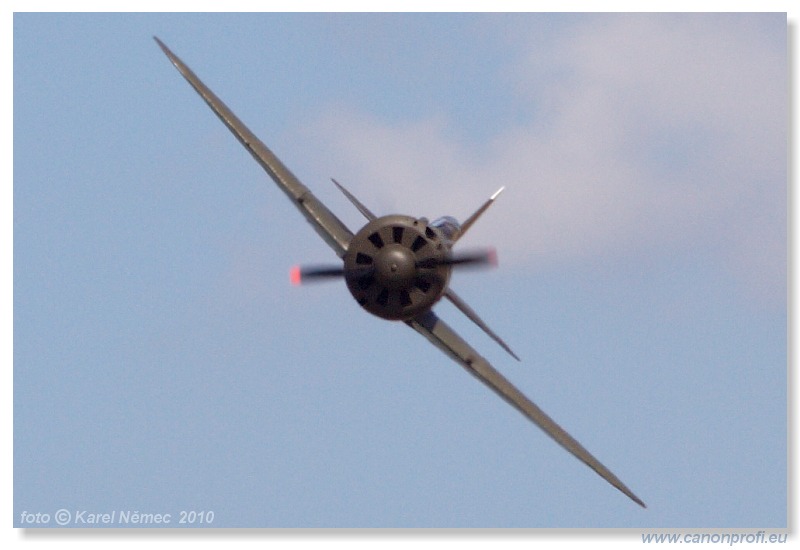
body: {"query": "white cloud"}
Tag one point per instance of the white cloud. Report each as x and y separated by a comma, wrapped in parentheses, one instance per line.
(660, 132)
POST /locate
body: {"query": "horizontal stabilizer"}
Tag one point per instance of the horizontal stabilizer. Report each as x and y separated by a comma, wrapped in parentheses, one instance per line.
(469, 312)
(357, 203)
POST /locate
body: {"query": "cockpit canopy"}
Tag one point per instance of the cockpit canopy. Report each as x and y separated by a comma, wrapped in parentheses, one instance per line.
(449, 227)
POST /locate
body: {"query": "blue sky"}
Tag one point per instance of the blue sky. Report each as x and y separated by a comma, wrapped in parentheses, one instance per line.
(162, 362)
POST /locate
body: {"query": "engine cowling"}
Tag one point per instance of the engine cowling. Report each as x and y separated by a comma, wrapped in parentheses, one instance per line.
(393, 266)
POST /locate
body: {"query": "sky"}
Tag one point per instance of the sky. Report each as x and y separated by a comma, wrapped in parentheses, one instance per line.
(163, 364)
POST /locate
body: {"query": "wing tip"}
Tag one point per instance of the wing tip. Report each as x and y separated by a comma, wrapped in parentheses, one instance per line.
(174, 59)
(161, 45)
(617, 483)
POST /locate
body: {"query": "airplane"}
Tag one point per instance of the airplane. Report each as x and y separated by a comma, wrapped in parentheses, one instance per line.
(398, 267)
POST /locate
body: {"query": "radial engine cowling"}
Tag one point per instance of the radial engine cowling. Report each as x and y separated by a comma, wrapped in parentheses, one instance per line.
(393, 266)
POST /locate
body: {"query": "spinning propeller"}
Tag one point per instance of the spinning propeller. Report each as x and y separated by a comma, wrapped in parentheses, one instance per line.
(307, 274)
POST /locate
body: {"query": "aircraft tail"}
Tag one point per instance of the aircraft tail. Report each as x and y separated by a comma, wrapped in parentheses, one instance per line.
(474, 217)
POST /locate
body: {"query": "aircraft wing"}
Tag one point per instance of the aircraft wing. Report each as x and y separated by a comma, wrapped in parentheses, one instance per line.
(446, 339)
(329, 227)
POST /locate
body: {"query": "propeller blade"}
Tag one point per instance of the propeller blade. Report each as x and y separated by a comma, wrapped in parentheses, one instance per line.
(481, 257)
(298, 275)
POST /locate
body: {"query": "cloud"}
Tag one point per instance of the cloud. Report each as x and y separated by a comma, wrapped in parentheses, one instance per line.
(638, 134)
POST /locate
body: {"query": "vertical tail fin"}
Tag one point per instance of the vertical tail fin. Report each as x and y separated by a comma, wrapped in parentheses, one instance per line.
(474, 217)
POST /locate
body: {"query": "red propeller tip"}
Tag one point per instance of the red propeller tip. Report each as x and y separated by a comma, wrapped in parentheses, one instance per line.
(493, 257)
(295, 276)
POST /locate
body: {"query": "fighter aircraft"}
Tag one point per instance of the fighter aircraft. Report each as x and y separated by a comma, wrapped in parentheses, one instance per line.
(398, 267)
